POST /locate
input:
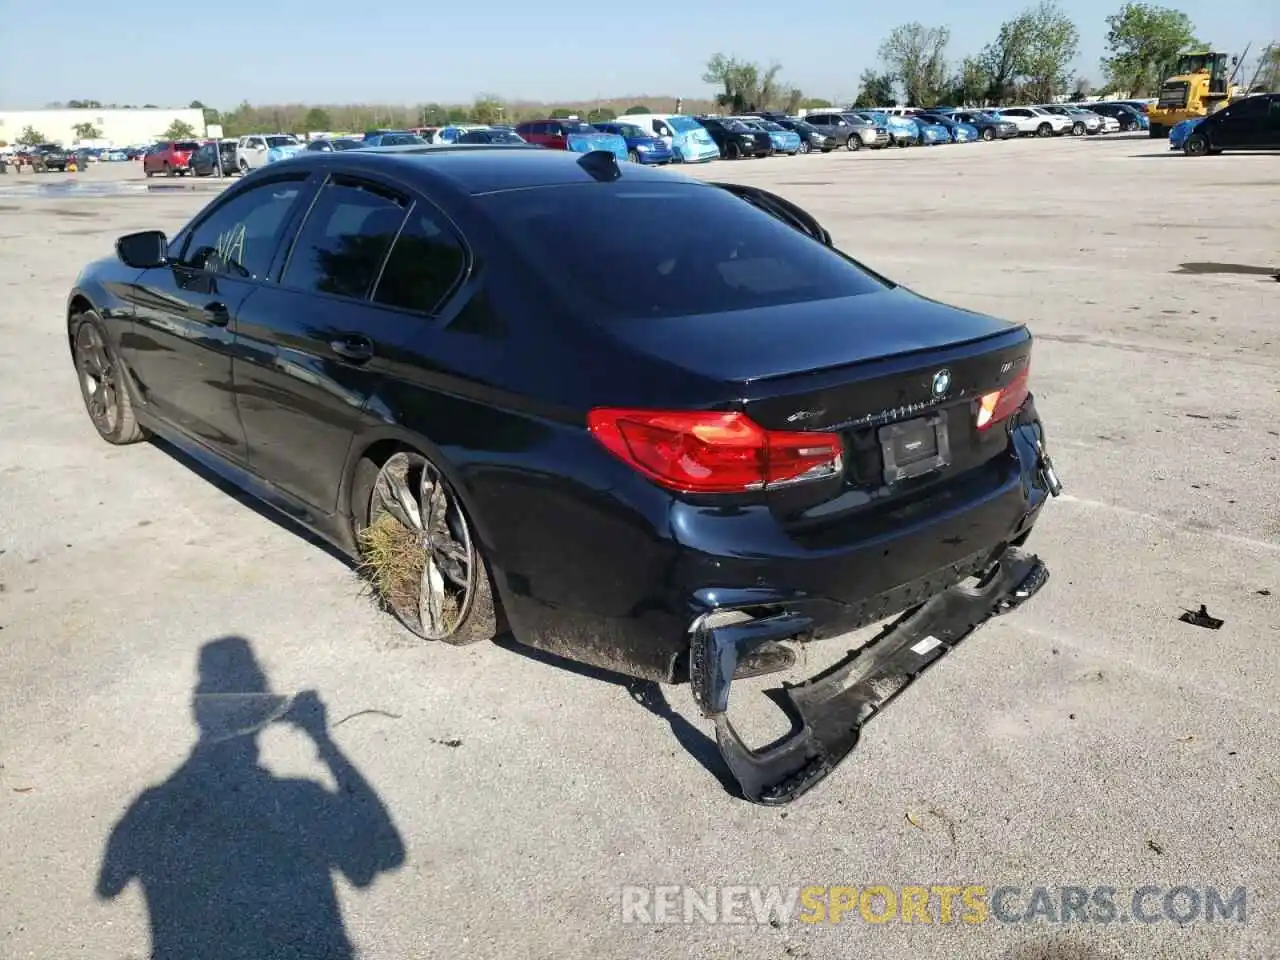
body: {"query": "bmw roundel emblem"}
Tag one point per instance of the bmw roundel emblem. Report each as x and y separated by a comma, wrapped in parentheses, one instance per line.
(941, 382)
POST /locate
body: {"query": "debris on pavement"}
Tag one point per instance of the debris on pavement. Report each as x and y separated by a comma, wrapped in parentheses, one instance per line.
(1200, 618)
(1155, 847)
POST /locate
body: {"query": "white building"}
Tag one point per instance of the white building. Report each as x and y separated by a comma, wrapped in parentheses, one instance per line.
(121, 127)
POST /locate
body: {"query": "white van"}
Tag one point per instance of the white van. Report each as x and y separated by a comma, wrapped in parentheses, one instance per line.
(687, 138)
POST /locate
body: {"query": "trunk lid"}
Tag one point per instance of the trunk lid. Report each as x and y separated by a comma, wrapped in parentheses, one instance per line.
(899, 377)
(804, 338)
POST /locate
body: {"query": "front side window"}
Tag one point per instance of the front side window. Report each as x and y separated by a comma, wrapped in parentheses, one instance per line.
(346, 237)
(611, 247)
(239, 239)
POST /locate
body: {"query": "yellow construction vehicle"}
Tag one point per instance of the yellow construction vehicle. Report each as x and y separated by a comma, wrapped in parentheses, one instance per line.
(1199, 86)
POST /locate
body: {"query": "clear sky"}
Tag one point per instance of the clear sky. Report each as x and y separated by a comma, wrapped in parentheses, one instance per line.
(411, 51)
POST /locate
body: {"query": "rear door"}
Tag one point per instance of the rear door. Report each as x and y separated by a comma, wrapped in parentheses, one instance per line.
(369, 263)
(1241, 125)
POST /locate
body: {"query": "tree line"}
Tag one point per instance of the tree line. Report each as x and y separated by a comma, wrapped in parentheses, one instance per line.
(1029, 60)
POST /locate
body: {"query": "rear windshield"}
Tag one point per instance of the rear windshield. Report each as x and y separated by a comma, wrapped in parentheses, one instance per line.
(668, 250)
(186, 145)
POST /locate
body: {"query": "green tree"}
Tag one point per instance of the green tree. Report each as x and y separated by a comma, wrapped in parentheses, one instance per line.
(875, 90)
(178, 130)
(601, 115)
(970, 84)
(1055, 41)
(487, 109)
(433, 115)
(86, 131)
(747, 86)
(317, 118)
(638, 108)
(1143, 41)
(559, 112)
(457, 115)
(816, 103)
(916, 57)
(1005, 59)
(30, 136)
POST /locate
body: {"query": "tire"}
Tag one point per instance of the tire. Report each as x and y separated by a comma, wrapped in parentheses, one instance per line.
(1078, 130)
(102, 382)
(463, 613)
(149, 173)
(633, 156)
(804, 146)
(988, 134)
(168, 170)
(1196, 146)
(732, 152)
(244, 168)
(853, 144)
(1044, 130)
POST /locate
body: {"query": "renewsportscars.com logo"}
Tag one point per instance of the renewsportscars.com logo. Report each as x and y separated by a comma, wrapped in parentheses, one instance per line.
(934, 904)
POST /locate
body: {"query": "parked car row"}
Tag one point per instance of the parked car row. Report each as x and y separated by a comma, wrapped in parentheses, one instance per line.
(661, 138)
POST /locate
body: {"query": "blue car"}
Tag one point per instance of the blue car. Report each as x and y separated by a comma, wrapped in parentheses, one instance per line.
(784, 140)
(641, 147)
(1179, 132)
(931, 133)
(959, 132)
(903, 131)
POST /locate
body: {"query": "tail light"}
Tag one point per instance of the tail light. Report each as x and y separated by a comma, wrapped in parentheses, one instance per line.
(714, 452)
(1003, 403)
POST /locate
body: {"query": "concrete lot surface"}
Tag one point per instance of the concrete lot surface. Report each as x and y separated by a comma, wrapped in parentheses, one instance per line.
(1089, 739)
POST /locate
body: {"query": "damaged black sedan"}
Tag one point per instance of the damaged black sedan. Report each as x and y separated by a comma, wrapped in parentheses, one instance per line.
(649, 423)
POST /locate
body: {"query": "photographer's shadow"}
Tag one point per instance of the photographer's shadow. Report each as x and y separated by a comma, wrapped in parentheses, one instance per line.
(234, 861)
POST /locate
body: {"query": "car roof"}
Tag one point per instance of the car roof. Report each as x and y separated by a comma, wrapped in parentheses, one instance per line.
(475, 168)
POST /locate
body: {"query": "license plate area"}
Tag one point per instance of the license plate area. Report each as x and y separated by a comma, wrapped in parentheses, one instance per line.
(914, 447)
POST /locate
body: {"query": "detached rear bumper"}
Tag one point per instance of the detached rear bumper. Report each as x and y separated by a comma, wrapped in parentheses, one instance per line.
(833, 706)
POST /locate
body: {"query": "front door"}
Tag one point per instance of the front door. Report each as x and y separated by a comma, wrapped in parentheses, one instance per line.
(312, 349)
(180, 345)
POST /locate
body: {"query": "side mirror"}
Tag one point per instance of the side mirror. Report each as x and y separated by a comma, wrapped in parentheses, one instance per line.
(144, 250)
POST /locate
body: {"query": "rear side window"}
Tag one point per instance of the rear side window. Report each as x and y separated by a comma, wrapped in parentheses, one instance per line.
(425, 263)
(344, 240)
(658, 250)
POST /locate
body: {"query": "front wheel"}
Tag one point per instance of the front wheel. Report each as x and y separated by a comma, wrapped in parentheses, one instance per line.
(1196, 146)
(244, 168)
(988, 134)
(102, 383)
(419, 552)
(1044, 130)
(1077, 130)
(633, 156)
(853, 144)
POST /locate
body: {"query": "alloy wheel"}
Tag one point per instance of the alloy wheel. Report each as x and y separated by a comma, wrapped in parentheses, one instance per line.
(988, 134)
(439, 588)
(97, 379)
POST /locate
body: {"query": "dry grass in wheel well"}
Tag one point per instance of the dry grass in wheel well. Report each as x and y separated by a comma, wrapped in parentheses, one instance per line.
(392, 561)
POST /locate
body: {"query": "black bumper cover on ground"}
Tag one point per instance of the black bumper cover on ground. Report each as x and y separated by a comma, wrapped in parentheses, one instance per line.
(832, 707)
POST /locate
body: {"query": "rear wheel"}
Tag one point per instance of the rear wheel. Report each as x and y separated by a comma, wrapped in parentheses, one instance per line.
(244, 167)
(102, 384)
(988, 134)
(804, 146)
(419, 551)
(633, 156)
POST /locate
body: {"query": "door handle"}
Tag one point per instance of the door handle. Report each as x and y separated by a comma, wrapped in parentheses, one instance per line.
(354, 348)
(217, 313)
